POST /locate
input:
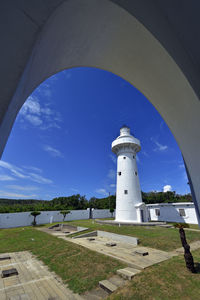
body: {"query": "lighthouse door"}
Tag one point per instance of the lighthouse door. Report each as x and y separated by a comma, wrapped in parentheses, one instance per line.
(142, 215)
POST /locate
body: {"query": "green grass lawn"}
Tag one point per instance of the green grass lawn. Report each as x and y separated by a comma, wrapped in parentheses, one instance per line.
(169, 280)
(79, 267)
(166, 239)
(82, 268)
(194, 226)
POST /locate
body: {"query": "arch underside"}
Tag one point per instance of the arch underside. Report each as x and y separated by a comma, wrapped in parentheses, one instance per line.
(103, 35)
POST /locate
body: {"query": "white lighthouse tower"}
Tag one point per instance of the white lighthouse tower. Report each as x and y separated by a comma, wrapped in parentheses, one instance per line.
(129, 205)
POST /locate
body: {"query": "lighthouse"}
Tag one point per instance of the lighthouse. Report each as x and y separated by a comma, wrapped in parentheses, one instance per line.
(129, 205)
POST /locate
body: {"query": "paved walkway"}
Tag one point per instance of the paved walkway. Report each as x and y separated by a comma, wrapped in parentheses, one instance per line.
(123, 251)
(33, 282)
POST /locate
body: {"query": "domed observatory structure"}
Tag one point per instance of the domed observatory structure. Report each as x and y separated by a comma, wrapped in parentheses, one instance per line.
(129, 205)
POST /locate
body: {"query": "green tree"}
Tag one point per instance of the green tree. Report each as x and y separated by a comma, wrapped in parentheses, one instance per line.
(35, 214)
(64, 213)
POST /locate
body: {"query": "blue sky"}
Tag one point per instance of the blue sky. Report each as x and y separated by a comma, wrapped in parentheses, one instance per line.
(61, 141)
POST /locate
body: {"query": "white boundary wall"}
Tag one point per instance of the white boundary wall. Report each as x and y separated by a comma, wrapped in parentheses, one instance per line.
(10, 220)
(169, 212)
(101, 213)
(25, 219)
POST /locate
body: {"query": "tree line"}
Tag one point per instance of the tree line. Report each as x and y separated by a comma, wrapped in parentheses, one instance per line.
(77, 201)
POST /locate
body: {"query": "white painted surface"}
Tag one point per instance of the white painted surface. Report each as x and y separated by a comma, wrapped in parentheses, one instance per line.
(169, 212)
(142, 212)
(128, 193)
(10, 220)
(101, 213)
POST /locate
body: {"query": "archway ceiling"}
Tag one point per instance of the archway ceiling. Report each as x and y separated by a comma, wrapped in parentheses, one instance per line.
(174, 23)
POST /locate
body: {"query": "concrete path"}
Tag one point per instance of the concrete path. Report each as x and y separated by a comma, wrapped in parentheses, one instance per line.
(123, 251)
(33, 282)
(126, 253)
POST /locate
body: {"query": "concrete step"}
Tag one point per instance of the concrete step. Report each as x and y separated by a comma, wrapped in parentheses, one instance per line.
(128, 273)
(95, 294)
(117, 280)
(107, 286)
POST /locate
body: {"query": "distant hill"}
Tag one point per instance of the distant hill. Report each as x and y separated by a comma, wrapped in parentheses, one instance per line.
(80, 202)
(19, 201)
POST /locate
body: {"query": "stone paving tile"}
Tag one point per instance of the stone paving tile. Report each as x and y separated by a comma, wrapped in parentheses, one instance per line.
(124, 252)
(3, 295)
(33, 282)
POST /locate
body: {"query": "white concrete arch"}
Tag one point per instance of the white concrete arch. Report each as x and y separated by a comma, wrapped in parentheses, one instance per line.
(103, 35)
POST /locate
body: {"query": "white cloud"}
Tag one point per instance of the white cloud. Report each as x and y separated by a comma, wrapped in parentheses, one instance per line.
(145, 154)
(159, 147)
(38, 115)
(102, 192)
(137, 159)
(31, 106)
(18, 172)
(52, 151)
(22, 188)
(111, 174)
(50, 125)
(185, 177)
(33, 168)
(34, 120)
(113, 158)
(22, 174)
(39, 179)
(181, 166)
(6, 178)
(45, 89)
(67, 74)
(15, 195)
(47, 111)
(112, 185)
(167, 188)
(47, 92)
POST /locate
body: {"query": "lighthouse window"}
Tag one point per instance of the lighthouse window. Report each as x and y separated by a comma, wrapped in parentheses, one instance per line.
(182, 212)
(119, 173)
(157, 211)
(135, 173)
(125, 191)
(133, 156)
(124, 157)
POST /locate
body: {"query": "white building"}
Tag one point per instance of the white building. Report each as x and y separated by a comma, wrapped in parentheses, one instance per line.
(182, 212)
(129, 205)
